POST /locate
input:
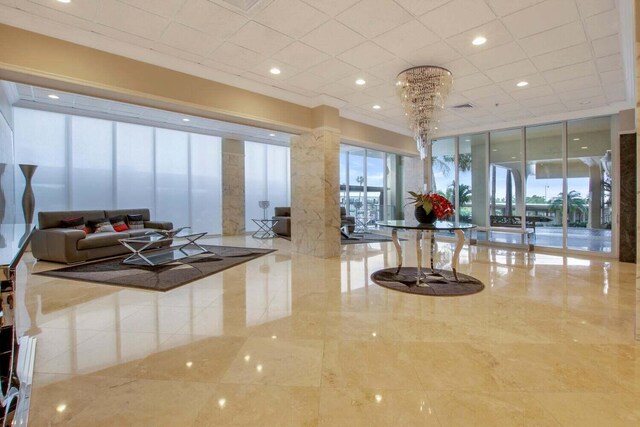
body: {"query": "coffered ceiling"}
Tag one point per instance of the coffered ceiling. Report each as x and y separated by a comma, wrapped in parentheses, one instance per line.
(571, 52)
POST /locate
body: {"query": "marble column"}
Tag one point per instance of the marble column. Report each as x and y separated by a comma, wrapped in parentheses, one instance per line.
(232, 187)
(637, 72)
(628, 195)
(315, 193)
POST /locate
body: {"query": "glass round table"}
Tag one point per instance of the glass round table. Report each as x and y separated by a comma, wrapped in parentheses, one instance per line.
(457, 227)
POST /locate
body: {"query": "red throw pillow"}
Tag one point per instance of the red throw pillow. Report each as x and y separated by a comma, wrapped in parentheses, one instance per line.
(121, 227)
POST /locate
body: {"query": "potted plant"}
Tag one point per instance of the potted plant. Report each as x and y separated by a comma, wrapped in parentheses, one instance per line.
(430, 207)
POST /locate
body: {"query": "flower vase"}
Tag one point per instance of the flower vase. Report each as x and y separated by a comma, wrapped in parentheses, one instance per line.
(424, 218)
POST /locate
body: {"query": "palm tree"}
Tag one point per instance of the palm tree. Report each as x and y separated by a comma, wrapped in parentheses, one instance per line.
(464, 194)
(575, 203)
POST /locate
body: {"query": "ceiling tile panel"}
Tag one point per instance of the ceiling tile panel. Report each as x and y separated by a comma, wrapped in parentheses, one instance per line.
(310, 81)
(210, 18)
(185, 38)
(534, 80)
(608, 63)
(580, 94)
(541, 17)
(495, 33)
(538, 102)
(557, 38)
(587, 68)
(435, 54)
(563, 57)
(460, 68)
(300, 55)
(471, 82)
(236, 56)
(374, 17)
(615, 93)
(596, 101)
(507, 7)
(593, 7)
(333, 69)
(366, 55)
(544, 110)
(602, 25)
(333, 38)
(82, 9)
(611, 77)
(483, 92)
(406, 38)
(457, 16)
(532, 92)
(291, 17)
(498, 56)
(420, 7)
(511, 71)
(166, 8)
(131, 20)
(577, 83)
(606, 46)
(260, 39)
(331, 7)
(388, 71)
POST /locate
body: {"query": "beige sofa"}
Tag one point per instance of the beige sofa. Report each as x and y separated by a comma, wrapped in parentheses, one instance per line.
(50, 242)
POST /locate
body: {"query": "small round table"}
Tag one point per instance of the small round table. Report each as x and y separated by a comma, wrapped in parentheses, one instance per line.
(265, 228)
(457, 227)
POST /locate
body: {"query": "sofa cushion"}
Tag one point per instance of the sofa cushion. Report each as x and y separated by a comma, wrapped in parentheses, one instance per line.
(146, 216)
(282, 211)
(100, 240)
(119, 223)
(52, 219)
(76, 223)
(101, 225)
(135, 222)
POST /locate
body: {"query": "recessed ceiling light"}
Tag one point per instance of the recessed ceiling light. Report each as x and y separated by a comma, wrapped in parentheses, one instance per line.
(522, 84)
(360, 82)
(376, 107)
(576, 139)
(186, 120)
(189, 364)
(275, 71)
(272, 134)
(584, 147)
(61, 407)
(479, 41)
(222, 402)
(436, 128)
(52, 96)
(585, 102)
(64, 1)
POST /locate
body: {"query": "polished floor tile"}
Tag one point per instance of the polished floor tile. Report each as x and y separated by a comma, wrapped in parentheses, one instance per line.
(292, 340)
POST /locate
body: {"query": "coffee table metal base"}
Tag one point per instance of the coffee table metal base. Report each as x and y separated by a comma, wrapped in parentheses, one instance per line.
(143, 254)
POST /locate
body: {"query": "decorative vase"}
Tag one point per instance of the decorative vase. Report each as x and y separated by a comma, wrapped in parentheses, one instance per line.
(28, 199)
(423, 217)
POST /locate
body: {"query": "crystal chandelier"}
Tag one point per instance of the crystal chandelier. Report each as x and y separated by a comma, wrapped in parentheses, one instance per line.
(422, 91)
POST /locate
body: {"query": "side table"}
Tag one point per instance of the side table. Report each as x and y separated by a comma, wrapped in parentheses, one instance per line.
(265, 228)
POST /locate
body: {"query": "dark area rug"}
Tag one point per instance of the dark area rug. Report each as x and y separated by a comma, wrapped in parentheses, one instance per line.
(162, 277)
(441, 284)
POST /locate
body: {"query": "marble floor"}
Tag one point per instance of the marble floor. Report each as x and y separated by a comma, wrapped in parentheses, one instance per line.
(291, 340)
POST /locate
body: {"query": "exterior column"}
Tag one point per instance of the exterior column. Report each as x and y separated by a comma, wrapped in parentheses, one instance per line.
(595, 196)
(315, 193)
(232, 187)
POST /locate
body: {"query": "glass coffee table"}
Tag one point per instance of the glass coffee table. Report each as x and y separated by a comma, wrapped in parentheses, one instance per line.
(148, 250)
(457, 227)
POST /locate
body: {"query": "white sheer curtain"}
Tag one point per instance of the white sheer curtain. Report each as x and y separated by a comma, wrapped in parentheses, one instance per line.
(86, 163)
(267, 177)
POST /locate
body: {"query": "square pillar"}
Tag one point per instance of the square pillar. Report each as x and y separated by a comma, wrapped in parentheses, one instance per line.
(232, 187)
(315, 193)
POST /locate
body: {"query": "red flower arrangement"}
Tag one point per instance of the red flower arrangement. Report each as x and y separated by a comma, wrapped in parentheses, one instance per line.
(441, 207)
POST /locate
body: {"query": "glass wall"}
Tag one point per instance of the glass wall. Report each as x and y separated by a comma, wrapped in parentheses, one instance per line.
(560, 193)
(544, 199)
(267, 177)
(589, 185)
(369, 185)
(86, 163)
(443, 167)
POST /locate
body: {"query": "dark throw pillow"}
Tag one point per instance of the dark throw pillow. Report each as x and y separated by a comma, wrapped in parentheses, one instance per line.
(76, 223)
(101, 225)
(119, 223)
(135, 222)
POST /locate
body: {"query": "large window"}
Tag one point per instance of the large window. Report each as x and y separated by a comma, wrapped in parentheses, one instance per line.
(556, 183)
(369, 185)
(85, 163)
(267, 178)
